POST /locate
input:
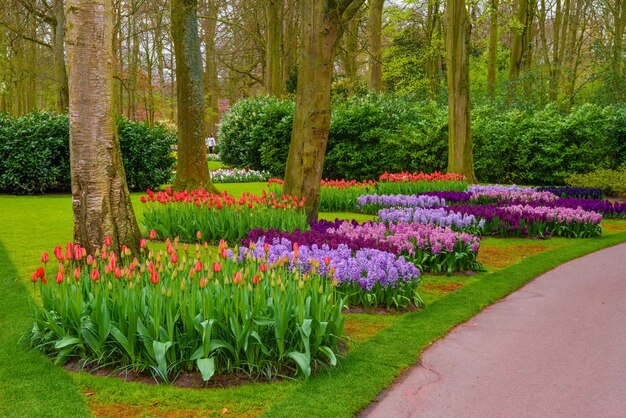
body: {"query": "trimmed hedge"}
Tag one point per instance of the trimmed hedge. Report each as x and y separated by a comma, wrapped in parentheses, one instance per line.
(35, 157)
(376, 133)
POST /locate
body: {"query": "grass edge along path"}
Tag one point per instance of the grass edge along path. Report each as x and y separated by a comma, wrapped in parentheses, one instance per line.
(374, 364)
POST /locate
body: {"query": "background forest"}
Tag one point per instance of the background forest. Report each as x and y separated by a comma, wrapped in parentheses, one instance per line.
(547, 80)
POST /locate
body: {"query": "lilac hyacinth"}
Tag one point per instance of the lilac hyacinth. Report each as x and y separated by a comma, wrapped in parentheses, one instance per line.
(438, 216)
(514, 197)
(373, 202)
(367, 267)
(408, 237)
(477, 188)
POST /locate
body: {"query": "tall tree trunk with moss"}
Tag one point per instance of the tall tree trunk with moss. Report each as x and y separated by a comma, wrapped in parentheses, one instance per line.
(210, 80)
(493, 48)
(58, 48)
(375, 26)
(321, 31)
(100, 196)
(273, 40)
(191, 168)
(519, 47)
(460, 159)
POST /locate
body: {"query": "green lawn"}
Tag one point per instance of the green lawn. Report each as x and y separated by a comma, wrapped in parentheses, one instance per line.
(380, 346)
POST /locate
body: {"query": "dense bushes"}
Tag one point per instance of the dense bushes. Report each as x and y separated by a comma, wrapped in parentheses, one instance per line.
(546, 146)
(34, 154)
(613, 181)
(372, 134)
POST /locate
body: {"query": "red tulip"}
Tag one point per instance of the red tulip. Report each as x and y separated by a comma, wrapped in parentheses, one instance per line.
(118, 273)
(59, 278)
(34, 277)
(95, 275)
(154, 278)
(199, 235)
(174, 258)
(203, 282)
(326, 260)
(263, 267)
(255, 279)
(223, 253)
(58, 253)
(237, 278)
(153, 234)
(40, 272)
(107, 241)
(76, 273)
(150, 267)
(266, 248)
(44, 257)
(217, 267)
(90, 259)
(143, 244)
(198, 266)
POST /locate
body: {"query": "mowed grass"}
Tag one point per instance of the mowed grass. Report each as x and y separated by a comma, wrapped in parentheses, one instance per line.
(380, 345)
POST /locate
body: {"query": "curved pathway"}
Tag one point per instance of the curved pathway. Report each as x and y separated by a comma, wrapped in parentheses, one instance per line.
(555, 348)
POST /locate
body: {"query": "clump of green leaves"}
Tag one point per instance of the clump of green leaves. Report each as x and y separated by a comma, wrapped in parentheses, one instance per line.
(613, 181)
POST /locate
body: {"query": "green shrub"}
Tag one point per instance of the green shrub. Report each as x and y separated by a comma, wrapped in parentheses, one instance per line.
(613, 181)
(34, 154)
(147, 155)
(255, 131)
(376, 133)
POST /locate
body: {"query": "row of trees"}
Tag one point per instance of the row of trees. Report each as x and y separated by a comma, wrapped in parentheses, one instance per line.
(530, 51)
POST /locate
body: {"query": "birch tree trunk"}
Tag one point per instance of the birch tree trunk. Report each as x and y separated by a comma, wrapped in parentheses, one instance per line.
(460, 158)
(191, 168)
(100, 196)
(321, 31)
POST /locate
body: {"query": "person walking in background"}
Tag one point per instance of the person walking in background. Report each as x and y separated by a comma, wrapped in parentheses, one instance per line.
(210, 143)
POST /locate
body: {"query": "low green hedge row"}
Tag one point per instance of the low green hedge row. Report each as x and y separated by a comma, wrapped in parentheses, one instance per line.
(376, 133)
(35, 156)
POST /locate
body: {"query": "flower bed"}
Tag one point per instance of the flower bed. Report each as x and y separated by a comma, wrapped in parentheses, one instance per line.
(527, 220)
(575, 192)
(443, 216)
(184, 309)
(335, 195)
(237, 175)
(414, 183)
(429, 247)
(372, 203)
(368, 277)
(199, 215)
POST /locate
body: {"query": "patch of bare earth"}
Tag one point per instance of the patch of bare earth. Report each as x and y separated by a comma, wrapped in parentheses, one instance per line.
(444, 288)
(504, 257)
(119, 410)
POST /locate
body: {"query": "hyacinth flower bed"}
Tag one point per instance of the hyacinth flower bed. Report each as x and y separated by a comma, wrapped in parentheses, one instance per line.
(366, 277)
(184, 309)
(443, 216)
(237, 175)
(535, 221)
(200, 215)
(430, 247)
(372, 203)
(575, 192)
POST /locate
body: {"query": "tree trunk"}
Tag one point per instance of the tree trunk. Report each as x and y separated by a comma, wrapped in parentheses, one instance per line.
(350, 52)
(100, 196)
(518, 48)
(273, 38)
(191, 168)
(58, 47)
(460, 158)
(619, 69)
(210, 80)
(375, 81)
(493, 48)
(321, 31)
(432, 58)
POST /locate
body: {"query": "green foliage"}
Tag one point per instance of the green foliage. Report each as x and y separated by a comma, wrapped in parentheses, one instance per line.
(257, 124)
(34, 153)
(35, 156)
(376, 133)
(146, 152)
(545, 146)
(613, 181)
